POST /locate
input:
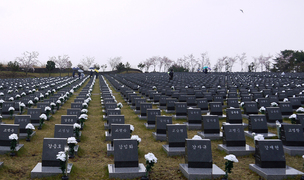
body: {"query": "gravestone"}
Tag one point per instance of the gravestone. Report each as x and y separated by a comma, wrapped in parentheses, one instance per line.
(194, 116)
(286, 108)
(250, 107)
(180, 109)
(191, 100)
(292, 134)
(215, 108)
(233, 102)
(234, 116)
(63, 131)
(202, 103)
(273, 114)
(234, 141)
(50, 166)
(42, 106)
(263, 102)
(170, 104)
(270, 161)
(23, 120)
(198, 153)
(120, 131)
(257, 123)
(176, 137)
(161, 127)
(143, 109)
(295, 102)
(74, 111)
(35, 113)
(69, 119)
(138, 101)
(76, 105)
(126, 164)
(6, 130)
(116, 119)
(210, 124)
(151, 118)
(5, 106)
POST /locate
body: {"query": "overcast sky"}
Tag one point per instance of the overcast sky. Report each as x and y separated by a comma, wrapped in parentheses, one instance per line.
(139, 29)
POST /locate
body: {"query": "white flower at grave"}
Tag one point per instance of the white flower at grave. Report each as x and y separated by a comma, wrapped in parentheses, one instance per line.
(36, 98)
(30, 126)
(119, 105)
(46, 93)
(87, 100)
(47, 108)
(253, 134)
(150, 158)
(21, 104)
(17, 96)
(84, 104)
(154, 87)
(186, 87)
(84, 111)
(58, 101)
(72, 140)
(266, 96)
(278, 123)
(300, 110)
(136, 137)
(53, 90)
(285, 100)
(11, 109)
(231, 157)
(61, 156)
(242, 103)
(41, 95)
(262, 109)
(131, 127)
(2, 101)
(11, 99)
(61, 98)
(257, 100)
(1, 94)
(76, 125)
(274, 104)
(259, 137)
(0, 117)
(83, 116)
(43, 116)
(172, 87)
(117, 109)
(23, 94)
(293, 116)
(13, 136)
(197, 137)
(52, 104)
(30, 102)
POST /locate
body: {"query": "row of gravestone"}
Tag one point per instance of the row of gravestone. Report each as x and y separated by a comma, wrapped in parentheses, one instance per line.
(51, 146)
(233, 132)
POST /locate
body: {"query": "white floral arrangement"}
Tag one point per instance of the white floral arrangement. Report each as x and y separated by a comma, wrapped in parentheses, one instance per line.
(119, 105)
(17, 96)
(197, 137)
(131, 128)
(274, 104)
(229, 164)
(242, 104)
(300, 110)
(11, 99)
(58, 101)
(262, 109)
(258, 137)
(150, 161)
(43, 116)
(1, 94)
(172, 87)
(11, 109)
(76, 125)
(52, 104)
(23, 94)
(13, 137)
(30, 126)
(21, 104)
(285, 100)
(47, 108)
(72, 140)
(293, 116)
(83, 116)
(84, 111)
(30, 102)
(136, 137)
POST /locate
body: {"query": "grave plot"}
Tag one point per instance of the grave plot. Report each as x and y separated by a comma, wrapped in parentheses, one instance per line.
(161, 127)
(210, 128)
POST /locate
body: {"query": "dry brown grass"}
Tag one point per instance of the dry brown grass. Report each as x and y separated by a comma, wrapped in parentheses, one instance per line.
(92, 160)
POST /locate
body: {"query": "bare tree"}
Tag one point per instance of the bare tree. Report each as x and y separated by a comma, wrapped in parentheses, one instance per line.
(180, 61)
(262, 60)
(147, 64)
(154, 60)
(242, 59)
(114, 62)
(104, 67)
(167, 63)
(161, 62)
(28, 61)
(221, 63)
(87, 62)
(231, 61)
(204, 61)
(62, 62)
(192, 62)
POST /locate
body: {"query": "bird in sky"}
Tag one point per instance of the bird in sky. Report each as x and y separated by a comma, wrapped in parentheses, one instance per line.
(242, 10)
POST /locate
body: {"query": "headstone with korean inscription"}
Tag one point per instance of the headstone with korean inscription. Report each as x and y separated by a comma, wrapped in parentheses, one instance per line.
(116, 119)
(257, 123)
(126, 164)
(76, 105)
(161, 127)
(250, 107)
(143, 109)
(273, 114)
(35, 113)
(151, 118)
(202, 103)
(120, 131)
(210, 124)
(63, 131)
(170, 104)
(181, 109)
(215, 108)
(74, 111)
(23, 120)
(191, 100)
(233, 102)
(194, 118)
(50, 166)
(176, 138)
(69, 119)
(286, 108)
(234, 116)
(292, 134)
(116, 111)
(295, 102)
(5, 106)
(5, 131)
(198, 161)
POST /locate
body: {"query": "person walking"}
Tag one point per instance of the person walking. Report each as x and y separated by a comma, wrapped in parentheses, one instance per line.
(171, 74)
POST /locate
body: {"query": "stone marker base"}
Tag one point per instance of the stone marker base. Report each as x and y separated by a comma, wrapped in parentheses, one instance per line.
(136, 111)
(223, 116)
(106, 126)
(159, 137)
(237, 150)
(126, 172)
(142, 117)
(294, 150)
(110, 150)
(168, 111)
(6, 149)
(39, 171)
(108, 136)
(210, 136)
(275, 173)
(201, 173)
(266, 135)
(193, 126)
(149, 126)
(24, 135)
(272, 125)
(174, 151)
(179, 117)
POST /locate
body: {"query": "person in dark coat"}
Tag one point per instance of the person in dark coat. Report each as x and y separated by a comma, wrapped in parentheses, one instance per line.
(171, 74)
(79, 74)
(91, 74)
